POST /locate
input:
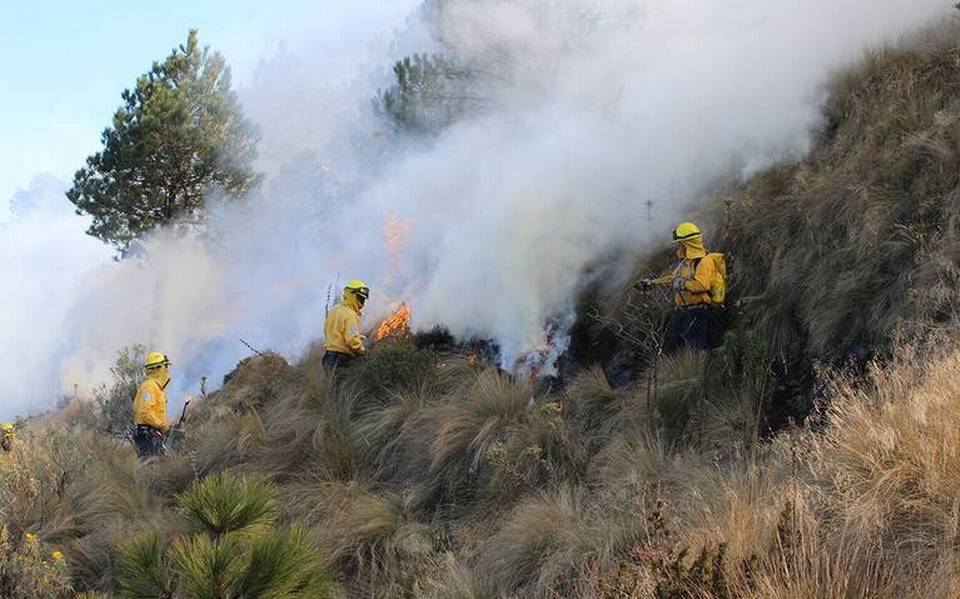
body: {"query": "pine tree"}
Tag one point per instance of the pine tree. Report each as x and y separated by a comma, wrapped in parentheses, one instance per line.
(430, 94)
(179, 134)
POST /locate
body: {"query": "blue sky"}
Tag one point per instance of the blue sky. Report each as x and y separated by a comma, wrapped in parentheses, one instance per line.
(64, 64)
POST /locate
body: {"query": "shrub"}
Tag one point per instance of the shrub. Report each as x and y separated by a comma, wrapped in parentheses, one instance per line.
(232, 548)
(393, 365)
(284, 564)
(35, 476)
(29, 569)
(207, 567)
(143, 567)
(223, 504)
(115, 403)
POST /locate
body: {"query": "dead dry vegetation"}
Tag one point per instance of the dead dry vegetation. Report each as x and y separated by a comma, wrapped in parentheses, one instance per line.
(423, 473)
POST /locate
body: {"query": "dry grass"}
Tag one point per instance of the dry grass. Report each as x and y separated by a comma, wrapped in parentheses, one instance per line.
(893, 466)
(539, 544)
(453, 579)
(422, 474)
(857, 243)
(377, 542)
(866, 507)
(495, 425)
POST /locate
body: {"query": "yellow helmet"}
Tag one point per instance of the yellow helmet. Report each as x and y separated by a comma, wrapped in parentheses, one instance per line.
(358, 288)
(155, 360)
(686, 231)
(6, 428)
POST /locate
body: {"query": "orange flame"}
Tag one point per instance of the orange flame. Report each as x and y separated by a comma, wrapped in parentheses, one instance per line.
(397, 325)
(395, 229)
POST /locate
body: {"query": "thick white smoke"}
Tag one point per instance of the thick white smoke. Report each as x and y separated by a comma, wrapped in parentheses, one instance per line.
(45, 255)
(593, 109)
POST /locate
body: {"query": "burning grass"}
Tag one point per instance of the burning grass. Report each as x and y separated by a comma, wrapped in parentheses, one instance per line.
(396, 325)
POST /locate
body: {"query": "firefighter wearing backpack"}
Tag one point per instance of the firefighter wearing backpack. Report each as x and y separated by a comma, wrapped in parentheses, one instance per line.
(699, 290)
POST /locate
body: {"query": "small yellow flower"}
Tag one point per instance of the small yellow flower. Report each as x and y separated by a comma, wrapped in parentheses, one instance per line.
(30, 537)
(57, 556)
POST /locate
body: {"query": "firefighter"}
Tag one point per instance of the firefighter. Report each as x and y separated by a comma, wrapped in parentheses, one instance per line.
(698, 282)
(150, 424)
(343, 341)
(7, 437)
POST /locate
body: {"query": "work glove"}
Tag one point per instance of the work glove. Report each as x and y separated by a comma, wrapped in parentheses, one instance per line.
(643, 285)
(679, 285)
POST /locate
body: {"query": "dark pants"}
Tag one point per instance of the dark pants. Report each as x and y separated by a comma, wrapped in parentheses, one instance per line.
(690, 328)
(718, 323)
(333, 359)
(148, 441)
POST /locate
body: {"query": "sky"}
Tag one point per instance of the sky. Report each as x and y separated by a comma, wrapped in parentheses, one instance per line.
(65, 63)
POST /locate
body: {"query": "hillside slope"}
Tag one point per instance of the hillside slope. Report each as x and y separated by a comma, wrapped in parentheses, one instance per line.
(428, 473)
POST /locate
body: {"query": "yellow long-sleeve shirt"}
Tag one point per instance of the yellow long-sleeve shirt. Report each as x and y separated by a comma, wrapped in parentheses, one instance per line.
(342, 329)
(697, 275)
(698, 271)
(150, 406)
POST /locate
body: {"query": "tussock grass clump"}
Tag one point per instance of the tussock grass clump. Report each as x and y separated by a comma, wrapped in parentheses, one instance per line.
(893, 459)
(257, 380)
(630, 462)
(532, 548)
(548, 541)
(376, 541)
(593, 406)
(496, 420)
(854, 245)
(681, 394)
(392, 435)
(313, 427)
(452, 579)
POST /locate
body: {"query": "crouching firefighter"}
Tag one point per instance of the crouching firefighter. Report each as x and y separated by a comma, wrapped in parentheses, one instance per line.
(150, 424)
(7, 437)
(699, 290)
(342, 339)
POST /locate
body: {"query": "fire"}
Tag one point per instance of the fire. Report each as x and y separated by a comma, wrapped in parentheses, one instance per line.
(395, 326)
(543, 359)
(395, 230)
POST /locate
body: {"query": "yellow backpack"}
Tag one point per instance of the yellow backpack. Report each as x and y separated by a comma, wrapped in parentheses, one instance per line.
(718, 291)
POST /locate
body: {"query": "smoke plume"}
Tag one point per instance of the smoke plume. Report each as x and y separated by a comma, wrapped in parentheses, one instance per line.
(598, 125)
